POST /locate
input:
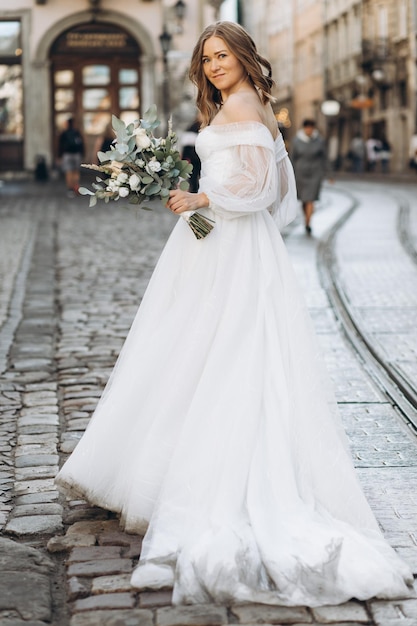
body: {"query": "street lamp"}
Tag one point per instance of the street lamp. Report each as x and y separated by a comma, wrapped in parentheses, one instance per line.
(180, 8)
(165, 40)
(216, 4)
(94, 5)
(330, 108)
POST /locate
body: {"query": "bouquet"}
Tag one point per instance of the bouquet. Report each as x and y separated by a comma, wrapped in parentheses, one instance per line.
(140, 167)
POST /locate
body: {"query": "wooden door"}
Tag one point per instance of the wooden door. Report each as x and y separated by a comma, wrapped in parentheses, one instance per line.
(93, 77)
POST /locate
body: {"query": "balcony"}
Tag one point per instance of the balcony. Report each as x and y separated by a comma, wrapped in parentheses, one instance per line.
(375, 52)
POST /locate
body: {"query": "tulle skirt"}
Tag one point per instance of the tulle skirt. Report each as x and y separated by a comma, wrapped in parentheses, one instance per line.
(217, 438)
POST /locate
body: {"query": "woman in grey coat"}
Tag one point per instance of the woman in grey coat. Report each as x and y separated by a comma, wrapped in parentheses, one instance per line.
(309, 159)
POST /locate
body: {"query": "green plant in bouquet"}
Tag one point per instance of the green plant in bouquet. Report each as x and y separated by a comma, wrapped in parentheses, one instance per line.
(140, 168)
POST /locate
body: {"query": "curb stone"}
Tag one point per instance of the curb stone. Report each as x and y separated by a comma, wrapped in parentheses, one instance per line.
(25, 586)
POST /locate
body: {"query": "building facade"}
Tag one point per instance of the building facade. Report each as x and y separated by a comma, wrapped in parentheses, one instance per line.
(359, 56)
(371, 71)
(342, 70)
(87, 59)
(389, 70)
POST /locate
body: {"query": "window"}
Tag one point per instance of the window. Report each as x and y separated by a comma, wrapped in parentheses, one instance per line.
(128, 76)
(383, 99)
(356, 31)
(402, 93)
(402, 19)
(95, 72)
(11, 96)
(96, 75)
(11, 88)
(10, 39)
(382, 22)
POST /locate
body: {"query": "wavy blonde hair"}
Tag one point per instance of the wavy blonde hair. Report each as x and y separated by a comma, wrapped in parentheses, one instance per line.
(241, 44)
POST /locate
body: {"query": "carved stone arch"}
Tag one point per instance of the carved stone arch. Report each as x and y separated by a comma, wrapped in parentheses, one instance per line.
(39, 137)
(133, 27)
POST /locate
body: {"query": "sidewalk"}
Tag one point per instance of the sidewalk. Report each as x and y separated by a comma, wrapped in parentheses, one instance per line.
(404, 178)
(24, 181)
(23, 184)
(74, 296)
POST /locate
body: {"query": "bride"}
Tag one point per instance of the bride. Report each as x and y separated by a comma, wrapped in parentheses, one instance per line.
(216, 436)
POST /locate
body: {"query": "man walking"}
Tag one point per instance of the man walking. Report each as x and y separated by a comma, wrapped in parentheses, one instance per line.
(71, 151)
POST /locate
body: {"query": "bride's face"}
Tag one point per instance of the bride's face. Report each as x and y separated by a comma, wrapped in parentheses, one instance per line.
(220, 65)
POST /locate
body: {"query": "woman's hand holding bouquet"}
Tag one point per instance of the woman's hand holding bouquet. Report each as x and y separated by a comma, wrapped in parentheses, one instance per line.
(141, 167)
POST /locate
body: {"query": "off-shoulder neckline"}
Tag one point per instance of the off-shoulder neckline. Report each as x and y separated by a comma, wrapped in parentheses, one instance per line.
(248, 123)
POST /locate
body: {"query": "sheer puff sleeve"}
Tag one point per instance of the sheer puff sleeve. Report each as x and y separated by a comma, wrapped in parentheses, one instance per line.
(245, 171)
(284, 209)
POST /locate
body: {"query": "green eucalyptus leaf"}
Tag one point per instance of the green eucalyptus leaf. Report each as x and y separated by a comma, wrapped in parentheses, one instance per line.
(117, 156)
(186, 171)
(150, 119)
(118, 125)
(152, 189)
(83, 191)
(184, 185)
(105, 156)
(132, 143)
(151, 115)
(122, 148)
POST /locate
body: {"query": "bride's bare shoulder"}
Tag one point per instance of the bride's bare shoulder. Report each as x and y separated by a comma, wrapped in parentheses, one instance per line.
(241, 107)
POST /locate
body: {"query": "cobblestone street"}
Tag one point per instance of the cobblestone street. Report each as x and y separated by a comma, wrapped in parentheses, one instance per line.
(71, 279)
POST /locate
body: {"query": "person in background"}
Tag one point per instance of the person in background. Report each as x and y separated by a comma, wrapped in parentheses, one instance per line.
(189, 153)
(104, 143)
(70, 152)
(413, 152)
(373, 147)
(309, 158)
(357, 153)
(107, 139)
(384, 154)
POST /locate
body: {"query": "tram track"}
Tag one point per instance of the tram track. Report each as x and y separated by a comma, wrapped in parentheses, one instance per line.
(396, 386)
(404, 228)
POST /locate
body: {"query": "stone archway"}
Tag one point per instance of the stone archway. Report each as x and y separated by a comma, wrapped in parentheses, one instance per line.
(39, 112)
(136, 29)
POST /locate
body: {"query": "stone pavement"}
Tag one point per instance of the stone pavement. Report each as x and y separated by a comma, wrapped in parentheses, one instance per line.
(383, 292)
(71, 281)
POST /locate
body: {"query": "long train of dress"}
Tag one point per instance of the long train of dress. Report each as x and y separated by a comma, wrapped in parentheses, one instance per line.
(216, 435)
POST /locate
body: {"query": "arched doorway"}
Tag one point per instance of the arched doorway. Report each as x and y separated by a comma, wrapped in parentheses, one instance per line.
(95, 71)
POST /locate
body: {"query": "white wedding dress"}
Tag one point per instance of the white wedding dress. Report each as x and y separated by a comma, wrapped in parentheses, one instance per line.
(215, 435)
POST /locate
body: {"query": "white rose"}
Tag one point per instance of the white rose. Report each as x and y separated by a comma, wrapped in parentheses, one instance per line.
(140, 162)
(142, 139)
(134, 182)
(153, 166)
(122, 178)
(113, 185)
(123, 192)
